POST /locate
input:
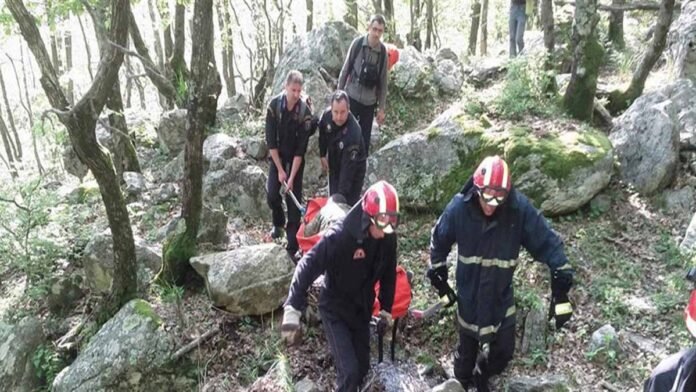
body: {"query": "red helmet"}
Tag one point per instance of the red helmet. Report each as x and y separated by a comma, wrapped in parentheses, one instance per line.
(381, 204)
(492, 179)
(690, 313)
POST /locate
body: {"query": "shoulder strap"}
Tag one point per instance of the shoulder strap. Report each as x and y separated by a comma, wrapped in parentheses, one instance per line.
(382, 55)
(357, 44)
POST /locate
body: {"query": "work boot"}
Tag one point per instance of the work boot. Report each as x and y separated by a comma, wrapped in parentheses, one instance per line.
(276, 232)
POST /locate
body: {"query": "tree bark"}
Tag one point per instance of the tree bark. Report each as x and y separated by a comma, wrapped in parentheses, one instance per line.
(6, 142)
(619, 101)
(205, 88)
(67, 47)
(87, 49)
(309, 4)
(484, 27)
(80, 121)
(547, 25)
(473, 32)
(649, 6)
(10, 118)
(227, 48)
(429, 24)
(390, 33)
(616, 30)
(587, 57)
(351, 15)
(177, 62)
(27, 105)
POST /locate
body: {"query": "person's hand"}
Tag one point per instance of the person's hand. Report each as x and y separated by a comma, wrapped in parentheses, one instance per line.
(560, 310)
(288, 184)
(290, 330)
(282, 176)
(438, 278)
(324, 164)
(385, 322)
(380, 116)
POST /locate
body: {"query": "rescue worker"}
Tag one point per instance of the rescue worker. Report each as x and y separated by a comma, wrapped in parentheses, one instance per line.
(677, 373)
(341, 149)
(354, 254)
(288, 126)
(364, 77)
(516, 24)
(335, 209)
(490, 221)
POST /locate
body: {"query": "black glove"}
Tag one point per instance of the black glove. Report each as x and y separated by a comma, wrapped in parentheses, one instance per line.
(561, 308)
(438, 278)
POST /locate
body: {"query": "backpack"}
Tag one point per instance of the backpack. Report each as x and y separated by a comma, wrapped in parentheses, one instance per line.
(368, 76)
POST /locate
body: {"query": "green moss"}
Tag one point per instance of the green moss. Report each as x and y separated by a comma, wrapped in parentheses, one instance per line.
(579, 101)
(177, 251)
(432, 133)
(144, 309)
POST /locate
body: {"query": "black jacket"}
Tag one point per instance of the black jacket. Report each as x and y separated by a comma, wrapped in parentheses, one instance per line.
(488, 249)
(345, 148)
(288, 131)
(676, 373)
(352, 262)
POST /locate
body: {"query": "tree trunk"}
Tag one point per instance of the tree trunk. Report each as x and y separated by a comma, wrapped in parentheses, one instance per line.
(163, 84)
(202, 104)
(616, 31)
(129, 81)
(227, 60)
(484, 27)
(310, 15)
(67, 47)
(177, 62)
(473, 32)
(87, 49)
(125, 157)
(390, 28)
(27, 105)
(429, 24)
(546, 19)
(351, 15)
(377, 4)
(619, 101)
(10, 118)
(80, 121)
(414, 36)
(587, 57)
(159, 51)
(6, 142)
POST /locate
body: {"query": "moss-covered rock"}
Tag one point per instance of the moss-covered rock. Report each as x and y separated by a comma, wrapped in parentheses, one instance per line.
(559, 170)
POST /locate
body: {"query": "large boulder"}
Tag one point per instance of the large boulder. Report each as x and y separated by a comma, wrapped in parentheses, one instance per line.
(682, 42)
(240, 187)
(17, 345)
(98, 261)
(131, 352)
(250, 280)
(646, 137)
(485, 71)
(688, 244)
(412, 75)
(558, 170)
(171, 131)
(448, 76)
(317, 53)
(552, 383)
(219, 146)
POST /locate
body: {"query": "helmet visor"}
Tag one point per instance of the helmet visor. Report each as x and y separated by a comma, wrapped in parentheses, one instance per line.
(493, 196)
(386, 221)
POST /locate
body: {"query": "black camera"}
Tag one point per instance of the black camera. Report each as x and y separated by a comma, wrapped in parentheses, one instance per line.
(691, 275)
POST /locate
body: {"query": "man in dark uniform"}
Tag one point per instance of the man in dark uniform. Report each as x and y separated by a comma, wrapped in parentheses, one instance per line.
(288, 126)
(490, 221)
(354, 254)
(341, 149)
(364, 77)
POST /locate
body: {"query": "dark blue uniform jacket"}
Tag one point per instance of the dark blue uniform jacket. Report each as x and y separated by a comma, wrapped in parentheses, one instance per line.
(488, 248)
(352, 262)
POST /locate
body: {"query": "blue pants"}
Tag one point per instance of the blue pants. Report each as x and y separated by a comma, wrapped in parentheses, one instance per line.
(365, 114)
(518, 20)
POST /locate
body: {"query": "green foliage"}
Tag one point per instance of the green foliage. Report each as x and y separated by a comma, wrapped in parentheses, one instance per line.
(605, 353)
(47, 364)
(670, 253)
(181, 85)
(537, 357)
(524, 90)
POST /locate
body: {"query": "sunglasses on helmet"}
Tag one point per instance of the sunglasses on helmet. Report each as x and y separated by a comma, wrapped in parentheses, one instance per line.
(386, 221)
(493, 196)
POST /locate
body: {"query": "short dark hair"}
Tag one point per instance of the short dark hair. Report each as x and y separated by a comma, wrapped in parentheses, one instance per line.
(340, 95)
(379, 18)
(294, 76)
